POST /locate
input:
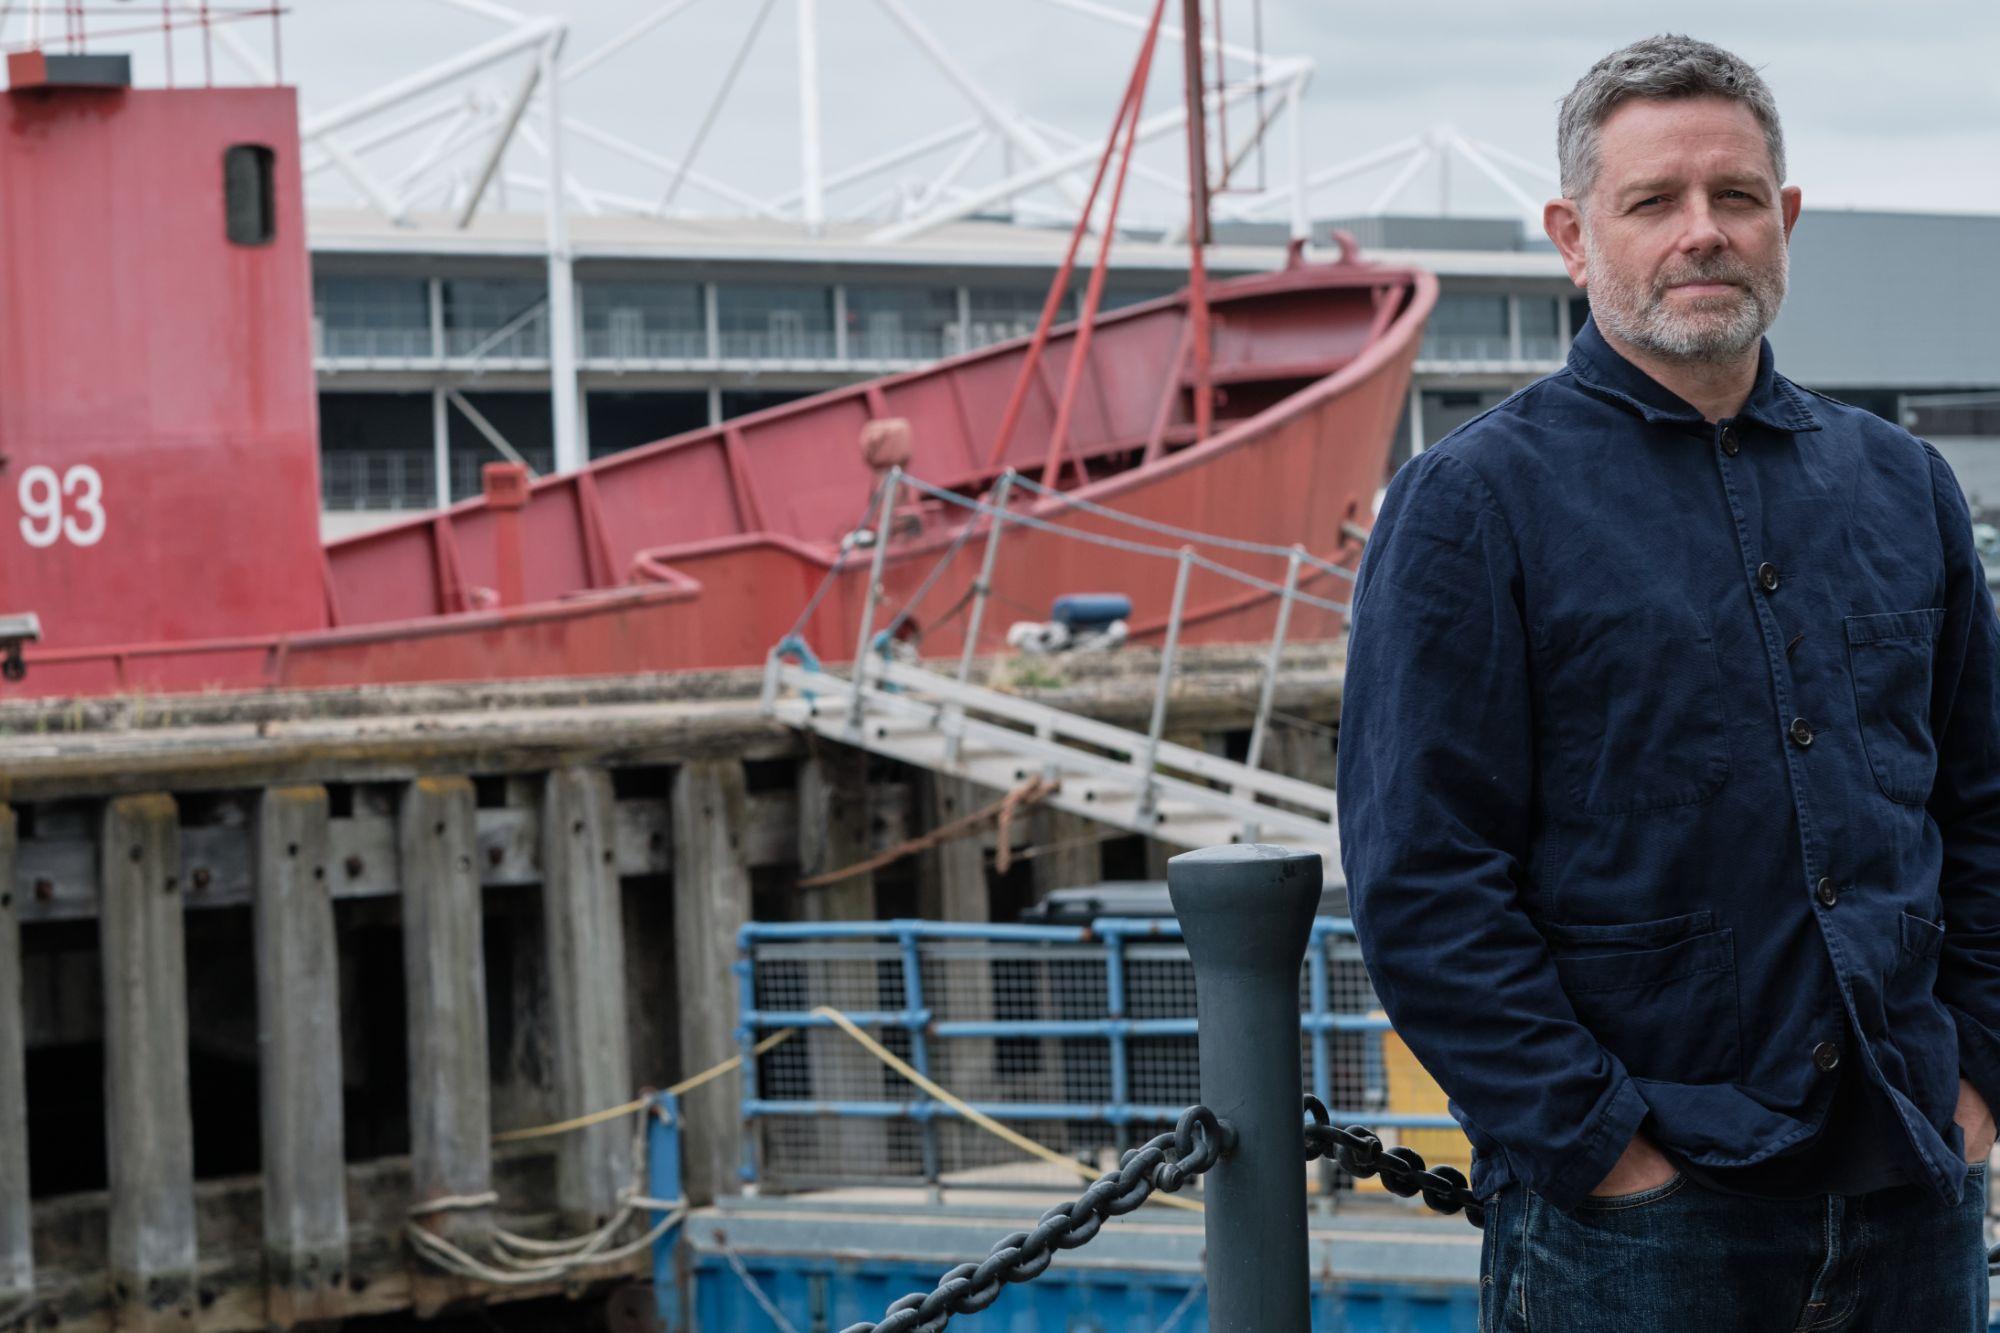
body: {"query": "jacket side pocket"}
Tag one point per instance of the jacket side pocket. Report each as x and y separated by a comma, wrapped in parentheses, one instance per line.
(1668, 1011)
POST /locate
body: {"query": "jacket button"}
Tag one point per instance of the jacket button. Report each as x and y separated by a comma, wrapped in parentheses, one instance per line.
(1826, 893)
(1729, 445)
(1767, 576)
(1826, 1056)
(1801, 733)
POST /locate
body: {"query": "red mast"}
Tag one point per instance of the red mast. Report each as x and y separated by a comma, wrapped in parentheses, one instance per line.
(1126, 125)
(1198, 220)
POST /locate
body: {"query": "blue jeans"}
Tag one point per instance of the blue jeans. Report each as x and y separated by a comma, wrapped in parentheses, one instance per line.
(1684, 1259)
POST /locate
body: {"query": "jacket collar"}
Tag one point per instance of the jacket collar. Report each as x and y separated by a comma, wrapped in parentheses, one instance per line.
(1774, 400)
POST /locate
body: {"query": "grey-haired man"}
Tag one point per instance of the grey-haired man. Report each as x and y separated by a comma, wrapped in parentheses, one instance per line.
(1670, 780)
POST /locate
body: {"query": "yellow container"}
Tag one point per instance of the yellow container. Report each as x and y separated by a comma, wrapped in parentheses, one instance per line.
(1412, 1091)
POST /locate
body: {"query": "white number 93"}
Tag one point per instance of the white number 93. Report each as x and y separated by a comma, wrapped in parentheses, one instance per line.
(43, 497)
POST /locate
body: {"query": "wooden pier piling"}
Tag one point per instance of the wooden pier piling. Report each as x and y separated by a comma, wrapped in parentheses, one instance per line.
(711, 903)
(299, 1070)
(584, 934)
(268, 942)
(149, 1133)
(953, 886)
(17, 1260)
(444, 968)
(833, 833)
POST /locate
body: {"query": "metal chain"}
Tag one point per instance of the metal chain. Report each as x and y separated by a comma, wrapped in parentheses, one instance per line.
(1196, 1143)
(1361, 1154)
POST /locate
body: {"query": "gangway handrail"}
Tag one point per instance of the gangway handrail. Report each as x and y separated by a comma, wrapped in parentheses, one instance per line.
(1186, 758)
(1028, 520)
(873, 656)
(1153, 784)
(1075, 501)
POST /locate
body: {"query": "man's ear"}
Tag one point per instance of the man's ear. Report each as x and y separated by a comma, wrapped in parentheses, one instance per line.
(1789, 199)
(1562, 219)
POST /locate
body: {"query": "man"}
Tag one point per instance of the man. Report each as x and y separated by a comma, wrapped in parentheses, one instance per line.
(1670, 779)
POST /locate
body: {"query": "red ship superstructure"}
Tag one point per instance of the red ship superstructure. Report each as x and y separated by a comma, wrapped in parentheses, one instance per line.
(157, 441)
(158, 447)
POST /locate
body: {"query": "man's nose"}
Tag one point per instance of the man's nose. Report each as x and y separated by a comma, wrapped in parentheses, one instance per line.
(1702, 234)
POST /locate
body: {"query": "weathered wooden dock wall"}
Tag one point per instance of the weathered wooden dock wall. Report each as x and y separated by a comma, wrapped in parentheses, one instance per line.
(274, 970)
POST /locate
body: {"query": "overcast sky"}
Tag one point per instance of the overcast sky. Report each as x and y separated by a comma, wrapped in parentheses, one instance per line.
(1893, 106)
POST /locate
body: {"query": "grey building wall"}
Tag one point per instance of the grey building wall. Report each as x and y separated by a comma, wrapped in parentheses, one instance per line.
(1892, 300)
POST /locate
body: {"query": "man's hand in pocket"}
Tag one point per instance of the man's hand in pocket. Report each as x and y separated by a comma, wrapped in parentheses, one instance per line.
(1975, 1120)
(1642, 1166)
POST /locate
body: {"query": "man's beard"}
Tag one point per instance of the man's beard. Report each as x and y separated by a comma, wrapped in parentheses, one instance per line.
(1716, 328)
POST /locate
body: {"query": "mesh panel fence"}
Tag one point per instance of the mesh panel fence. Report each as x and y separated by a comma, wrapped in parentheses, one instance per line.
(1049, 1052)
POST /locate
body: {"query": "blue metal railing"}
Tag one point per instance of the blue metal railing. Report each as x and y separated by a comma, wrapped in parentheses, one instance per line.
(787, 970)
(663, 1182)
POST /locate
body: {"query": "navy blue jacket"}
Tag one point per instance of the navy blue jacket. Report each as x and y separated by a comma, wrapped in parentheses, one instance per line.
(1669, 776)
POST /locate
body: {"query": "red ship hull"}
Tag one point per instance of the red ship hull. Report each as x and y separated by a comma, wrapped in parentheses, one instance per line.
(699, 551)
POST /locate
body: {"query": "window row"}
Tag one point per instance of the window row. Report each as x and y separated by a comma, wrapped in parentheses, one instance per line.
(1478, 326)
(506, 318)
(379, 450)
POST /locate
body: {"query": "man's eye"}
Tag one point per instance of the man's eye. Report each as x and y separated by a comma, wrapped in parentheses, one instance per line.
(1656, 199)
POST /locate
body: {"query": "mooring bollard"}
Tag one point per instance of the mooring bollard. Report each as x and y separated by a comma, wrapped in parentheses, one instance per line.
(1246, 912)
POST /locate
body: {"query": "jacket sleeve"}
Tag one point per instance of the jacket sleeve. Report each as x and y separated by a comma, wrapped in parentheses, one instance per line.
(1965, 799)
(1436, 788)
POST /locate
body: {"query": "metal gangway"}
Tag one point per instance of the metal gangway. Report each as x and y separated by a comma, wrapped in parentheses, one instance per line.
(1136, 781)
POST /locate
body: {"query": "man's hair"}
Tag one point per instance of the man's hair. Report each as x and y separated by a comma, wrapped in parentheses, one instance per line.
(1663, 68)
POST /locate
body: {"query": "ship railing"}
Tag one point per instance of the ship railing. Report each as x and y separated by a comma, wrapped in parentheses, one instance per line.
(1081, 1037)
(873, 647)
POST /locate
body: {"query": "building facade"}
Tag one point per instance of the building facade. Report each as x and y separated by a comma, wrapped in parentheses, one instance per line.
(432, 344)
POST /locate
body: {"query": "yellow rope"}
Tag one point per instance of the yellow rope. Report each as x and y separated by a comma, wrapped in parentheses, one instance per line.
(875, 1048)
(714, 1072)
(977, 1117)
(681, 1088)
(577, 1122)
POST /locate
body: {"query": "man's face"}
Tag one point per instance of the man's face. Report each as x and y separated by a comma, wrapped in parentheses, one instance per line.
(1685, 230)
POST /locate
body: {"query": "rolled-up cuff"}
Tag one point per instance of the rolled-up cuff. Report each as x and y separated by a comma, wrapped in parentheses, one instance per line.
(1978, 1056)
(1605, 1138)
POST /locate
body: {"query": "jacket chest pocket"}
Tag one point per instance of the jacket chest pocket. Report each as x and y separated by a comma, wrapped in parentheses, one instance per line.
(1633, 710)
(1890, 657)
(1659, 995)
